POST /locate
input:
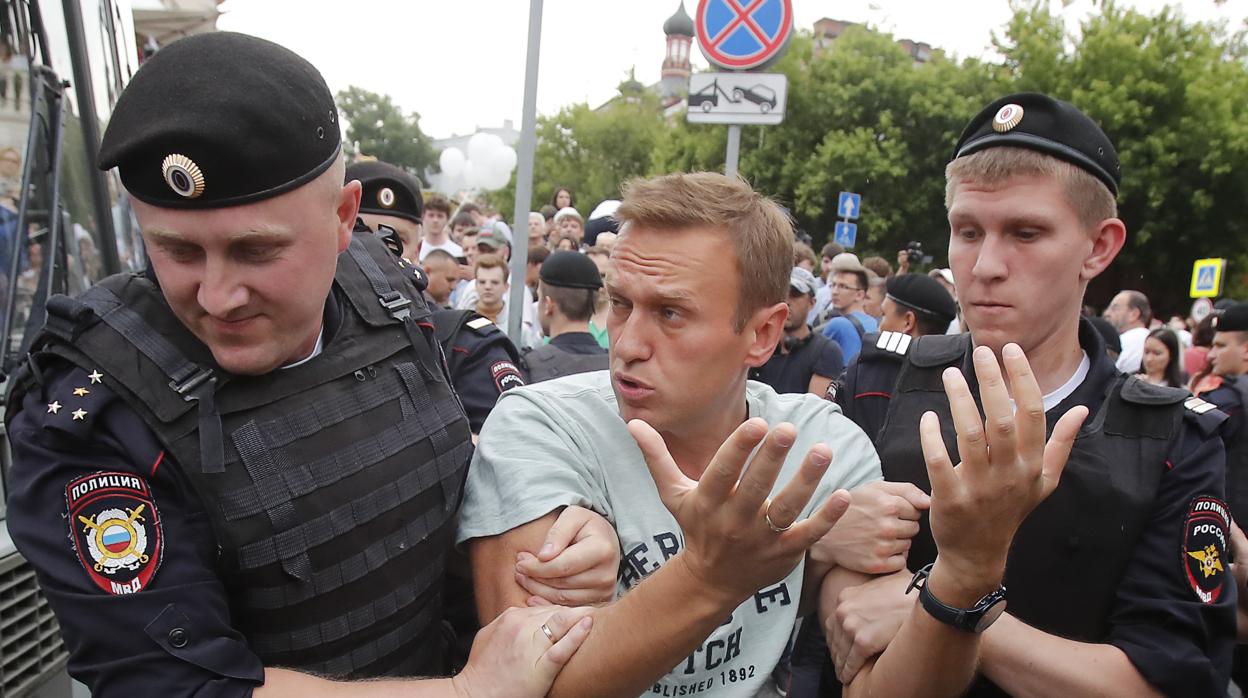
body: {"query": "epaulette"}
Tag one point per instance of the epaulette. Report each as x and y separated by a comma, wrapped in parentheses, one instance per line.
(482, 326)
(885, 346)
(932, 350)
(75, 399)
(1205, 416)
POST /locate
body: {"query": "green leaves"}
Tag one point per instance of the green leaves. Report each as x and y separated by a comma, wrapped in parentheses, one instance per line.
(376, 126)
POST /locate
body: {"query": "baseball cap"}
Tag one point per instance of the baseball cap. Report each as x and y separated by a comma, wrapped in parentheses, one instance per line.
(802, 281)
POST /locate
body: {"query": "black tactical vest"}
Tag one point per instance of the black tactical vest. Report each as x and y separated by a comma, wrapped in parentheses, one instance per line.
(549, 362)
(1070, 553)
(331, 486)
(1237, 454)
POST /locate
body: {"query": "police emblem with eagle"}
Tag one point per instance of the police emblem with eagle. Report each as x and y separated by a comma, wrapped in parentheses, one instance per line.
(116, 530)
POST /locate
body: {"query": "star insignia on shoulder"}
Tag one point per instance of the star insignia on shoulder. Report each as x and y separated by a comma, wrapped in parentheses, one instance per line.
(95, 376)
(54, 407)
(81, 392)
(79, 414)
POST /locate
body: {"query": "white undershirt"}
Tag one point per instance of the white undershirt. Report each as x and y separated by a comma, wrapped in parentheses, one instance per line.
(320, 336)
(1055, 398)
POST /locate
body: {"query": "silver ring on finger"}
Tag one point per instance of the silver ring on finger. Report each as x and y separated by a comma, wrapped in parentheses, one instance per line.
(773, 526)
(549, 635)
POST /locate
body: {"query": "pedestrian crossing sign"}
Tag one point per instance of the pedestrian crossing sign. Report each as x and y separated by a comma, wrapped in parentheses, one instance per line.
(1207, 275)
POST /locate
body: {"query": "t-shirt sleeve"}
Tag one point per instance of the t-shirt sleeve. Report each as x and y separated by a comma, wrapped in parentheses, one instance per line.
(531, 459)
(830, 362)
(1174, 615)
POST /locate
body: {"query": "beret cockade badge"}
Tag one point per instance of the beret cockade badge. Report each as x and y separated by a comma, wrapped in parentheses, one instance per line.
(1007, 118)
(183, 176)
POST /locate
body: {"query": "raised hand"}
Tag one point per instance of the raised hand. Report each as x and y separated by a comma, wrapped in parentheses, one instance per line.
(1007, 467)
(737, 541)
(522, 651)
(576, 565)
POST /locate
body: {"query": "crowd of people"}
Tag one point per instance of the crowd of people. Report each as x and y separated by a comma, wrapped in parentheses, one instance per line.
(298, 455)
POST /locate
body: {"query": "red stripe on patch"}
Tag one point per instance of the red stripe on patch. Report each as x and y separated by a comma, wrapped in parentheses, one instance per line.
(873, 394)
(159, 460)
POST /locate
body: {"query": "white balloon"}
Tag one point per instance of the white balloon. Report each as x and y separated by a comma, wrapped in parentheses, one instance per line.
(470, 174)
(480, 145)
(495, 179)
(509, 158)
(452, 162)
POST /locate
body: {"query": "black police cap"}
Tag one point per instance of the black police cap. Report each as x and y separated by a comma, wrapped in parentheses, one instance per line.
(1051, 126)
(924, 294)
(221, 119)
(1233, 319)
(388, 190)
(570, 270)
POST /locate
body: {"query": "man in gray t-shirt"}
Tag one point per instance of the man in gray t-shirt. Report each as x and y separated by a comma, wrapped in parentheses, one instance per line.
(715, 567)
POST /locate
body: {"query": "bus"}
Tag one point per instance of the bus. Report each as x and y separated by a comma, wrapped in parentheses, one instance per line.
(63, 226)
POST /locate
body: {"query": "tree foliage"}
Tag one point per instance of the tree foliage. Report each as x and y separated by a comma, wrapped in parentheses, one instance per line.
(377, 127)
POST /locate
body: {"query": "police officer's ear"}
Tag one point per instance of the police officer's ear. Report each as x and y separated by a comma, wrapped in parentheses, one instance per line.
(1108, 237)
(912, 323)
(347, 209)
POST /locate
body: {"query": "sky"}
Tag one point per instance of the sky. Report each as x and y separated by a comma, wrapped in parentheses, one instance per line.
(460, 64)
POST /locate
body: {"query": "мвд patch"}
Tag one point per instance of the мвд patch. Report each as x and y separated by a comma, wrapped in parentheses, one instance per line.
(115, 529)
(1206, 532)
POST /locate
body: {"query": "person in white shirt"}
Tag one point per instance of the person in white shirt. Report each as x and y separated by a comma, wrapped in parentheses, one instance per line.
(437, 237)
(1130, 313)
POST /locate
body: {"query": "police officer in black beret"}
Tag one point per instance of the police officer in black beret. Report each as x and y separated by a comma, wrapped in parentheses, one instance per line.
(1118, 582)
(914, 305)
(391, 202)
(249, 457)
(1227, 388)
(568, 285)
(483, 362)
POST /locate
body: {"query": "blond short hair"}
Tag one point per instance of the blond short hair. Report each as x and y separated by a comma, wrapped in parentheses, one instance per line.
(760, 232)
(1087, 195)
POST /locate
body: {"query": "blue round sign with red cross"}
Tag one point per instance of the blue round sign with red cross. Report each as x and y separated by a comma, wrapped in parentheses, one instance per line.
(743, 34)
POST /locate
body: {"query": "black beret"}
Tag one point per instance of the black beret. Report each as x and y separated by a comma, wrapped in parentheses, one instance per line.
(570, 270)
(388, 190)
(1233, 319)
(924, 294)
(1050, 126)
(221, 119)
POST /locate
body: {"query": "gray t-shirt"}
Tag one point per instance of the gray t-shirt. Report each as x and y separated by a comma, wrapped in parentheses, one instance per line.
(562, 442)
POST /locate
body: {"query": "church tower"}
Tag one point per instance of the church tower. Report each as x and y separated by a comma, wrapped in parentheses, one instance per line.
(679, 29)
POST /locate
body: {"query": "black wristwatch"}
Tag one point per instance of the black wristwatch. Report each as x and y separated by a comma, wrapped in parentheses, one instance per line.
(975, 619)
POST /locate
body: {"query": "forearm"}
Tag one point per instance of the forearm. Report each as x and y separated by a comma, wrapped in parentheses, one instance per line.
(1025, 662)
(927, 657)
(283, 683)
(640, 637)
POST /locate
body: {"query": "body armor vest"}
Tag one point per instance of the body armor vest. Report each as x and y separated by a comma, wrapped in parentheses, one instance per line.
(549, 362)
(331, 486)
(1070, 553)
(1237, 455)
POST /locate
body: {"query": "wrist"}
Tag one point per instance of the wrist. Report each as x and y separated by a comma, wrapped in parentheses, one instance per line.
(702, 585)
(962, 585)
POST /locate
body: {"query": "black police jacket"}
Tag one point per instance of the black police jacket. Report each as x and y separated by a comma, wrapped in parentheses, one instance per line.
(1131, 549)
(312, 535)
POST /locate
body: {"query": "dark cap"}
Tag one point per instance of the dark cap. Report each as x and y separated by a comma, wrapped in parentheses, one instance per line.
(387, 190)
(570, 270)
(1050, 126)
(924, 294)
(221, 119)
(1233, 319)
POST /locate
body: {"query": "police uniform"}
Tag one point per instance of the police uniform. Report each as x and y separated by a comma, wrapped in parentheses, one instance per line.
(191, 527)
(1131, 548)
(482, 361)
(569, 352)
(1230, 396)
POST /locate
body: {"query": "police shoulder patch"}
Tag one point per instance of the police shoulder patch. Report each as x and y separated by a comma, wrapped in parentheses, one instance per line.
(1206, 531)
(116, 530)
(506, 376)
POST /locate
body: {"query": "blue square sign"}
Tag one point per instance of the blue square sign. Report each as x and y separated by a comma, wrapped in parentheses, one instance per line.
(845, 234)
(848, 205)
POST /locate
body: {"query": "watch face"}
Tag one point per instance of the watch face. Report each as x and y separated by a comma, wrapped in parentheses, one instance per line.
(991, 614)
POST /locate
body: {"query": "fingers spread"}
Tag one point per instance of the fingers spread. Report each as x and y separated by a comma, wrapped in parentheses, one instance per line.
(721, 476)
(1060, 443)
(671, 483)
(819, 523)
(788, 505)
(969, 426)
(998, 410)
(1029, 401)
(939, 468)
(759, 478)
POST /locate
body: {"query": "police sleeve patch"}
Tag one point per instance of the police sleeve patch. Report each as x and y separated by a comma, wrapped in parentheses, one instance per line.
(506, 376)
(115, 529)
(1205, 534)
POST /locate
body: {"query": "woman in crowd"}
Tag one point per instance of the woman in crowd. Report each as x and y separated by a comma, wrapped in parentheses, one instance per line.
(1160, 365)
(562, 198)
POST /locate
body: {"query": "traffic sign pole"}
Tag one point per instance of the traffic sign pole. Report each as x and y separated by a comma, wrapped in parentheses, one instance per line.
(731, 156)
(524, 175)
